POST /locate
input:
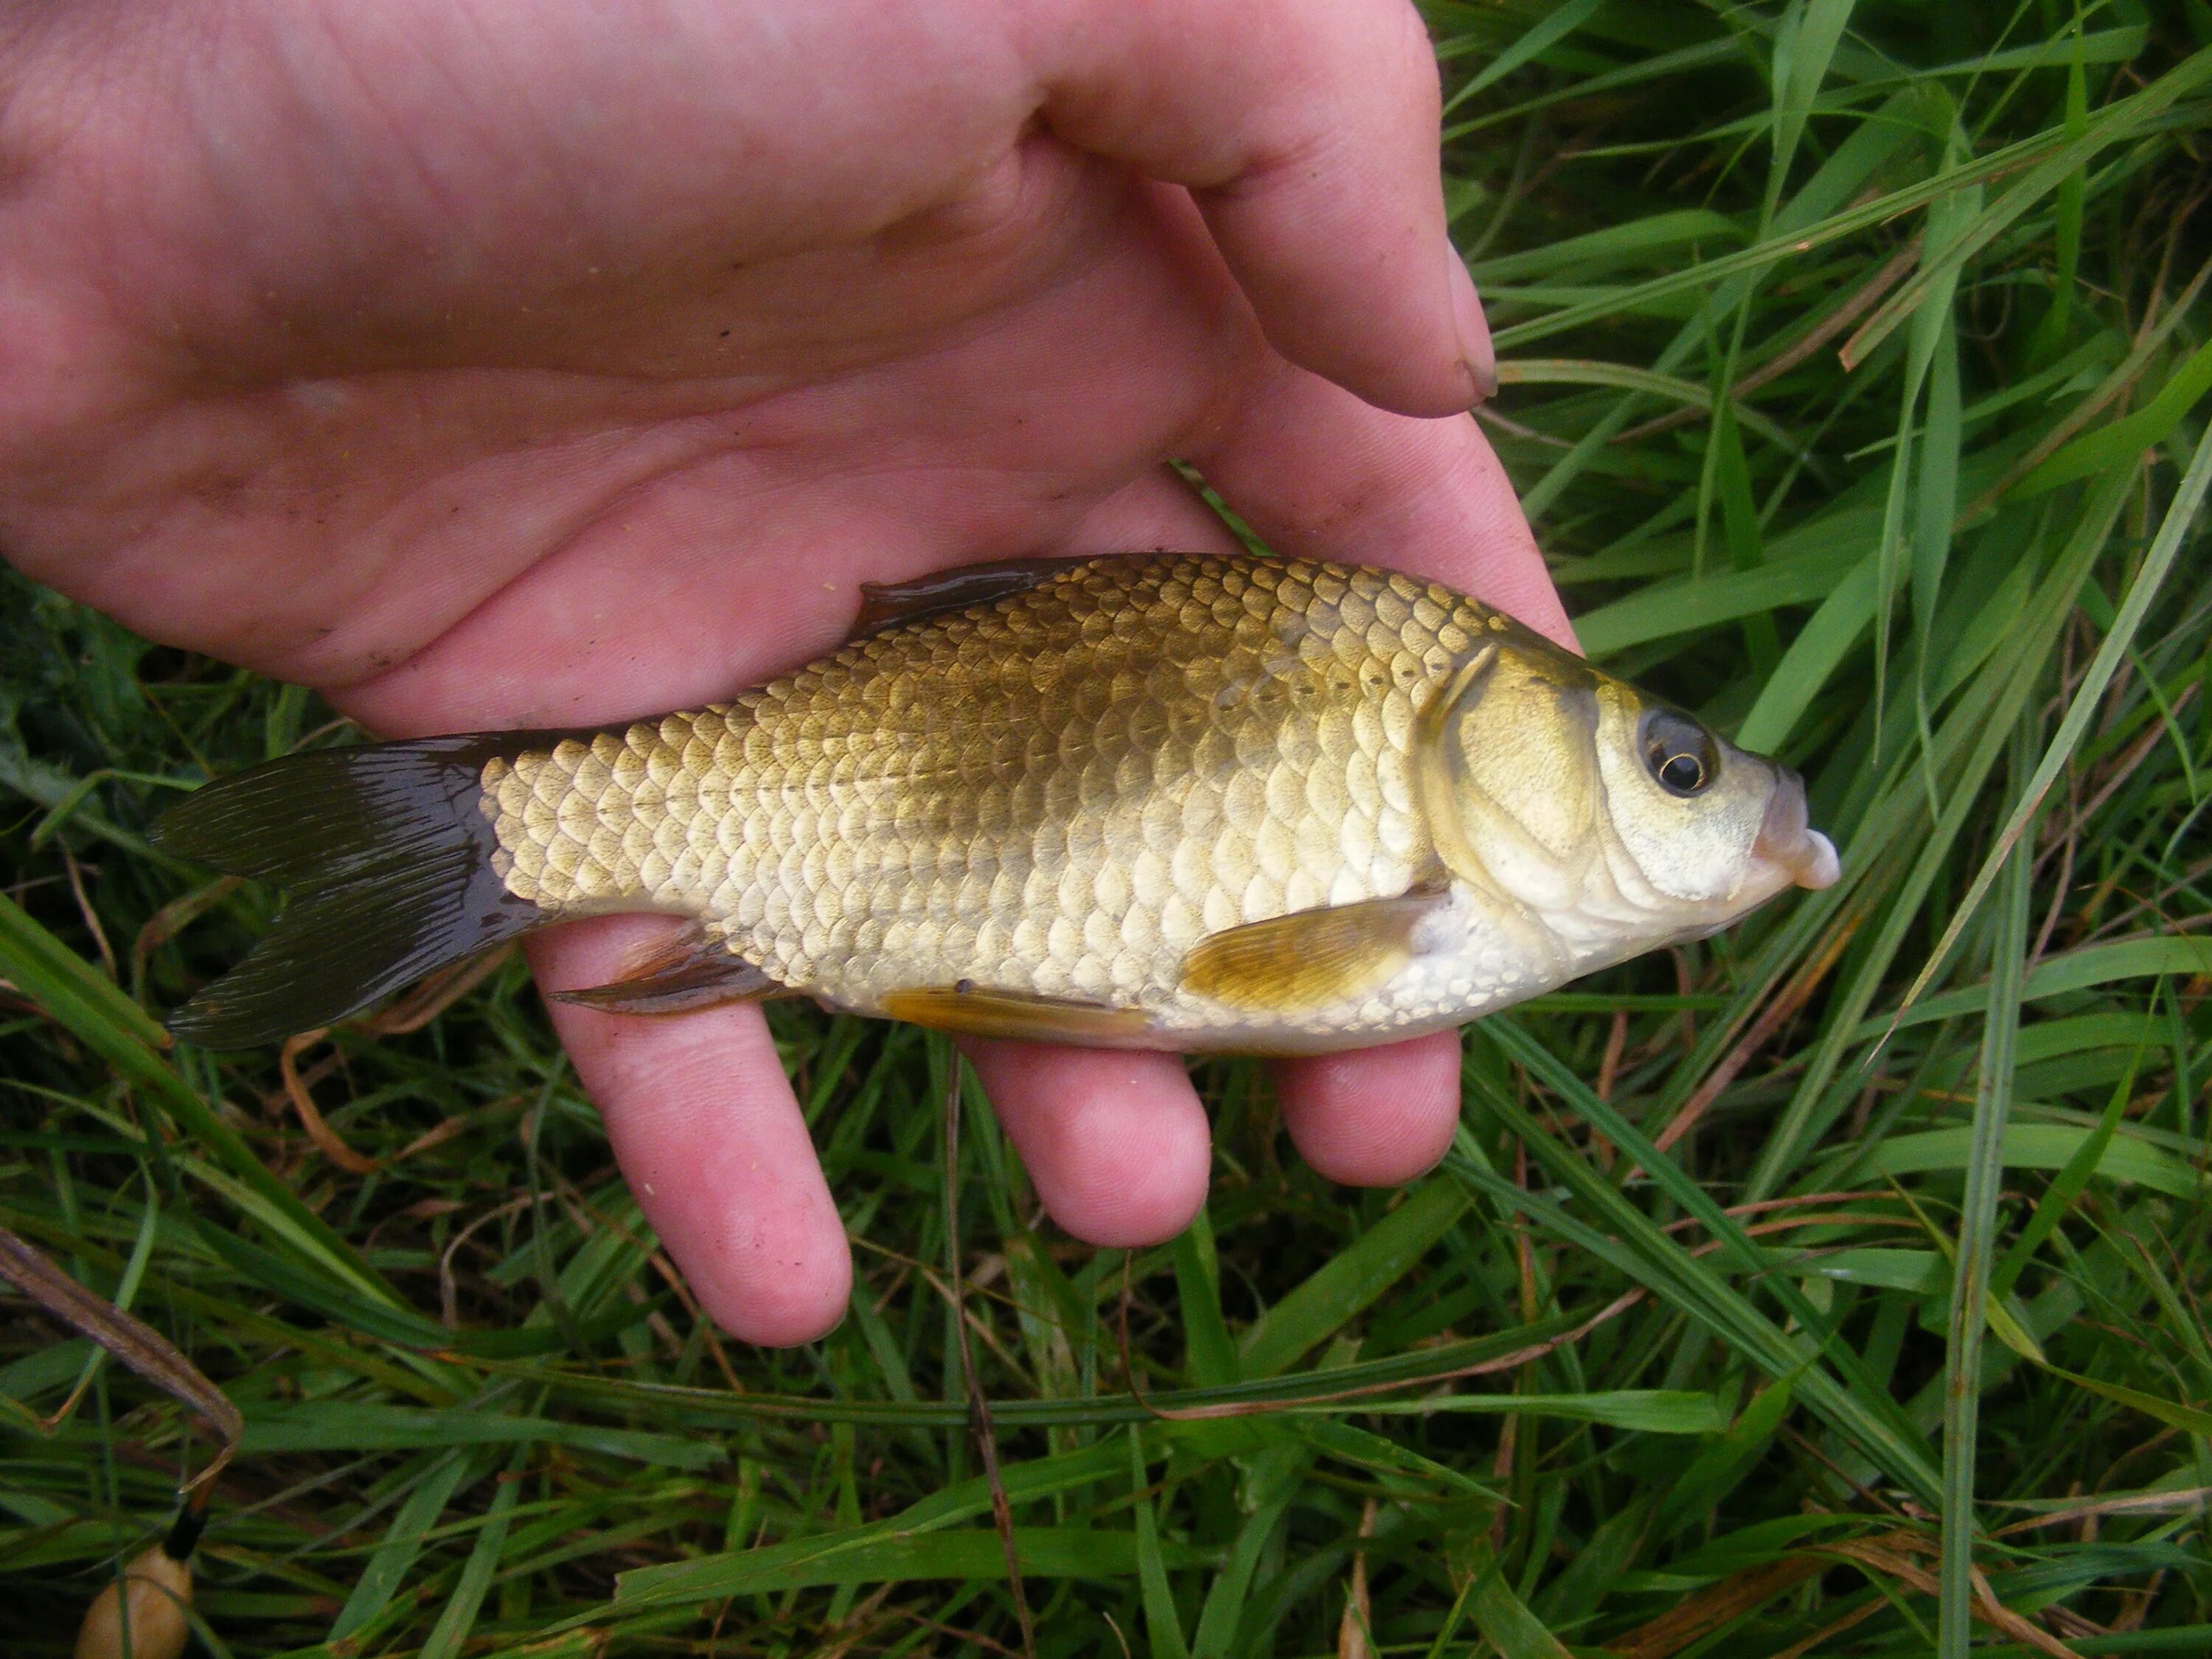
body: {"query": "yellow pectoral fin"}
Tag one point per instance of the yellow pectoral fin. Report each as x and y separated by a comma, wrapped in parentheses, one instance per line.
(976, 1010)
(1309, 958)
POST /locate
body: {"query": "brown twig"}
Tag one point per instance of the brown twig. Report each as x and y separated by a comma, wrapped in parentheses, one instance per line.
(1354, 1632)
(1871, 1499)
(449, 1306)
(1844, 316)
(1609, 1076)
(410, 1013)
(433, 995)
(2140, 1503)
(1857, 1615)
(1771, 1020)
(2188, 877)
(136, 1344)
(1885, 1555)
(1608, 1067)
(1511, 427)
(979, 1408)
(2124, 765)
(1719, 1605)
(327, 1140)
(1797, 1202)
(2059, 890)
(91, 916)
(173, 918)
(591, 1215)
(2116, 385)
(955, 1631)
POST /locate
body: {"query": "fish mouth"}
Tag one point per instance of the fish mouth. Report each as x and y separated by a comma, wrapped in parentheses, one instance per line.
(1788, 845)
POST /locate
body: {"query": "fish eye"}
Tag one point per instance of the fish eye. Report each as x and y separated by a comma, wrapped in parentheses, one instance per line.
(1679, 752)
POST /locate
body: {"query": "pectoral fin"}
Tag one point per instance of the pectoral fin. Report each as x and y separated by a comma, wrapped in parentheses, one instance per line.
(976, 1010)
(1309, 958)
(692, 970)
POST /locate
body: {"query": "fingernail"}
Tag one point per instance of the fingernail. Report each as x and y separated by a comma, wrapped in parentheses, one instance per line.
(1475, 349)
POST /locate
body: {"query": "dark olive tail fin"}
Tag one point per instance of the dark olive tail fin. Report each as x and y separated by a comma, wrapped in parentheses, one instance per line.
(388, 861)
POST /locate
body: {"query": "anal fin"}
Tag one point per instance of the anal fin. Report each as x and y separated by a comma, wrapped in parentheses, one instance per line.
(1309, 959)
(977, 1010)
(695, 970)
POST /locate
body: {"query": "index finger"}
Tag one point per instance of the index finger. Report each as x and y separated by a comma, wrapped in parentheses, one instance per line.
(1306, 131)
(1319, 474)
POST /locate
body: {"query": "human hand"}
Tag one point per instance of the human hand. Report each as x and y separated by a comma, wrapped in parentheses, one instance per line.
(554, 365)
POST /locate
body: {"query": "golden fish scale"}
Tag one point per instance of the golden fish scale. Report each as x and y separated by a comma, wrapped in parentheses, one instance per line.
(1059, 795)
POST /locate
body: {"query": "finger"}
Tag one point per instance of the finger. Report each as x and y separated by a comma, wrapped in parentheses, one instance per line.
(1307, 132)
(1318, 472)
(709, 1137)
(1378, 1117)
(1116, 1144)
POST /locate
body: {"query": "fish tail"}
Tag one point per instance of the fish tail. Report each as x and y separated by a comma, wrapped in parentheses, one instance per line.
(388, 858)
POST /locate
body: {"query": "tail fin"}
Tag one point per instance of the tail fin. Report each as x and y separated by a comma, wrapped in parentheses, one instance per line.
(388, 859)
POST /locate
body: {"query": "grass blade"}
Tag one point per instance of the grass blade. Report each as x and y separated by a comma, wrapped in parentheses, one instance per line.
(2173, 529)
(1971, 1284)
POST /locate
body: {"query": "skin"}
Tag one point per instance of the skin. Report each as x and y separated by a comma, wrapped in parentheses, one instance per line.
(494, 366)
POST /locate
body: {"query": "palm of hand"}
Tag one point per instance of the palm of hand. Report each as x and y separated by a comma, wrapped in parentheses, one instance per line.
(574, 445)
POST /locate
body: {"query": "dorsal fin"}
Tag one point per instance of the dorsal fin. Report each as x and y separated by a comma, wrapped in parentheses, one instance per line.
(884, 604)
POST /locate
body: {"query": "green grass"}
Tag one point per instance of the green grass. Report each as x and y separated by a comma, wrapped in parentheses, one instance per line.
(1832, 1286)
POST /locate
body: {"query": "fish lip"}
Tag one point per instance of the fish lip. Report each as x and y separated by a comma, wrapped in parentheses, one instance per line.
(1789, 844)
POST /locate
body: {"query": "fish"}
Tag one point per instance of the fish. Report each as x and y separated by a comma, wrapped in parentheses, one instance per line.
(1198, 803)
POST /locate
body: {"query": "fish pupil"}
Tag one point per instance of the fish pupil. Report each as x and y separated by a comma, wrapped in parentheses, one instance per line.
(1679, 753)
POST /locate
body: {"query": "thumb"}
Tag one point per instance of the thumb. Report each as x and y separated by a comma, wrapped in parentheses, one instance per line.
(1306, 131)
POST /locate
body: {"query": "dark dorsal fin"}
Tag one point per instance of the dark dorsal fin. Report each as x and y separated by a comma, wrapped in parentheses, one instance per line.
(692, 970)
(884, 604)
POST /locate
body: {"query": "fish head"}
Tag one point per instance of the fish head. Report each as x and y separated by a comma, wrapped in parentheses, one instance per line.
(1618, 822)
